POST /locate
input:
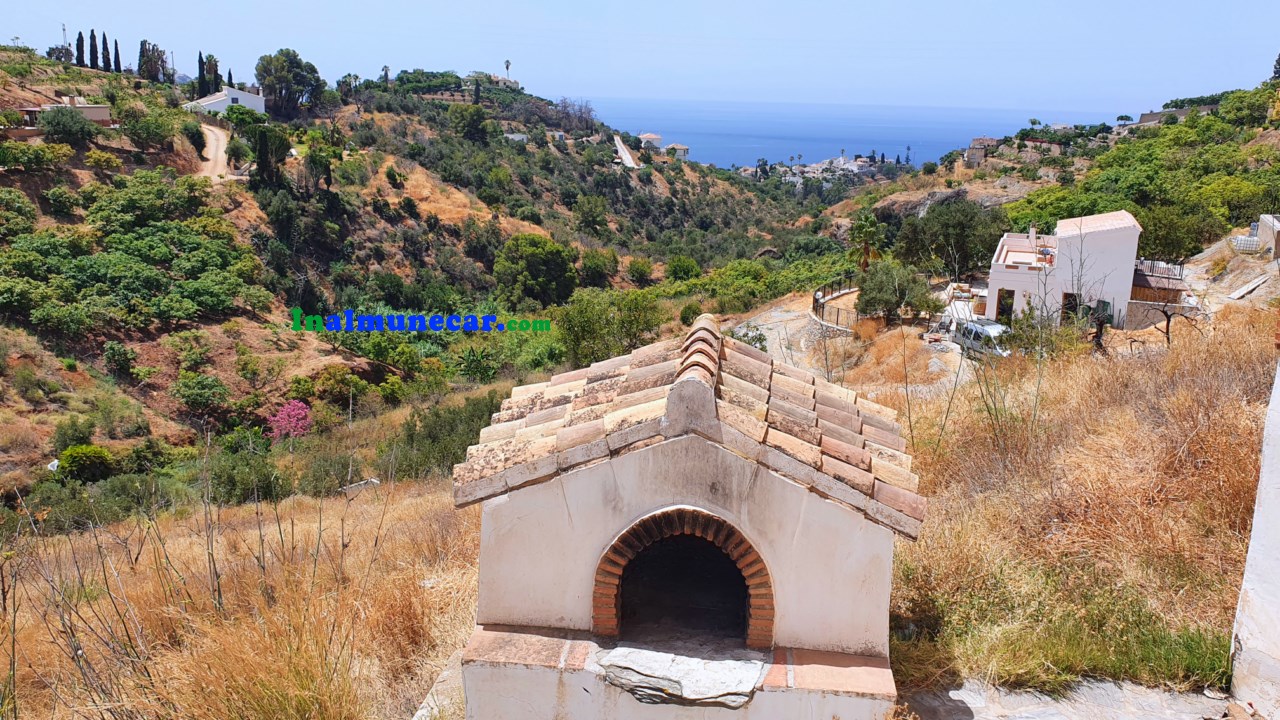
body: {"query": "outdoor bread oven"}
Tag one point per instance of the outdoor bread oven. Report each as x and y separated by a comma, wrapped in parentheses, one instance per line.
(691, 530)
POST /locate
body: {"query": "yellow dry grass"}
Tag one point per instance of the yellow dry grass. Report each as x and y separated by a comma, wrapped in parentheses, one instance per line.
(336, 608)
(1088, 516)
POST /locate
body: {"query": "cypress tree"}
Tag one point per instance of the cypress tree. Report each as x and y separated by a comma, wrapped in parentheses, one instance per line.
(230, 82)
(79, 49)
(116, 44)
(106, 54)
(202, 84)
(93, 49)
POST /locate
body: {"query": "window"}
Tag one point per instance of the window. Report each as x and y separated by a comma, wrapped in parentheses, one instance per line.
(235, 101)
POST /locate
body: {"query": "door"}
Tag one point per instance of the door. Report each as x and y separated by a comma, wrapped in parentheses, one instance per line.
(1004, 306)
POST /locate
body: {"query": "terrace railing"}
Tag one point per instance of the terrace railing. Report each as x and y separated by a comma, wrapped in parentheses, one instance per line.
(1157, 268)
(840, 317)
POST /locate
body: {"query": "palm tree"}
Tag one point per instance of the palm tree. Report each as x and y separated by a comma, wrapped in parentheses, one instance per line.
(508, 64)
(866, 235)
(1033, 122)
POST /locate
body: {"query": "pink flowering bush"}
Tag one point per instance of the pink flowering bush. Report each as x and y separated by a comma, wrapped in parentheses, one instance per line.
(293, 420)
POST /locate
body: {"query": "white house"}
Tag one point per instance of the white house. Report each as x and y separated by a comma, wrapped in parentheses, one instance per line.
(680, 152)
(1268, 229)
(693, 511)
(1088, 261)
(652, 141)
(225, 98)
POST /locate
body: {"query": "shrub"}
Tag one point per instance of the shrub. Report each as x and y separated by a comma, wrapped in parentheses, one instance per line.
(75, 430)
(239, 477)
(62, 200)
(65, 125)
(598, 266)
(102, 161)
(436, 439)
(326, 472)
(84, 463)
(640, 270)
(119, 359)
(194, 134)
(147, 132)
(682, 267)
(409, 207)
(690, 312)
(201, 394)
(17, 213)
(929, 168)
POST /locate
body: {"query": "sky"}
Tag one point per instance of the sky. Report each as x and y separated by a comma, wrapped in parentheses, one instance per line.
(1086, 55)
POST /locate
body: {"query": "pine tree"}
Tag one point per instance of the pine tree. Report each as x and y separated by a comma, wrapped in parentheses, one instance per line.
(202, 85)
(1275, 74)
(116, 44)
(106, 54)
(79, 49)
(93, 50)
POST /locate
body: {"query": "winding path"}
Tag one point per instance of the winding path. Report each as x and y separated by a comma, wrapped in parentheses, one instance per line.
(215, 149)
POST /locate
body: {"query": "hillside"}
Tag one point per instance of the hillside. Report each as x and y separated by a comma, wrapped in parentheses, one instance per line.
(204, 447)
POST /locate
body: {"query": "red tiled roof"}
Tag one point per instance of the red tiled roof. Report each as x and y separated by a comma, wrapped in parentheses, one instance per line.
(828, 438)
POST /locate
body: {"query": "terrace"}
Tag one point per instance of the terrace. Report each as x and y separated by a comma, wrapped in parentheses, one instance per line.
(1026, 249)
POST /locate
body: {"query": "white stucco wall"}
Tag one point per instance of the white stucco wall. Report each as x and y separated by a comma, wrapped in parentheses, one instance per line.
(530, 693)
(249, 100)
(1268, 226)
(1256, 671)
(831, 568)
(1096, 266)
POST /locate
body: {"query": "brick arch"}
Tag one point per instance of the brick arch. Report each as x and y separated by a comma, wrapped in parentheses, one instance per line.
(605, 605)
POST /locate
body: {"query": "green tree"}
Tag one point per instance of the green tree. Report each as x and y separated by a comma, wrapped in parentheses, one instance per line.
(201, 394)
(470, 122)
(93, 49)
(1174, 233)
(115, 45)
(202, 85)
(106, 54)
(598, 324)
(598, 266)
(1124, 118)
(17, 213)
(887, 287)
(289, 81)
(270, 147)
(1248, 108)
(532, 270)
(683, 267)
(80, 49)
(589, 215)
(148, 131)
(84, 463)
(640, 270)
(65, 125)
(961, 235)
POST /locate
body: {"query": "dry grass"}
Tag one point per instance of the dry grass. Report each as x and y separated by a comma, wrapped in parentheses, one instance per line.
(316, 609)
(1089, 516)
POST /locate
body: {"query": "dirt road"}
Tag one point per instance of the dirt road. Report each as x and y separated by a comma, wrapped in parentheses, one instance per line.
(215, 149)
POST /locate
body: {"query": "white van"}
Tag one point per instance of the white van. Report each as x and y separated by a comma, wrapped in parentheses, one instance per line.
(981, 337)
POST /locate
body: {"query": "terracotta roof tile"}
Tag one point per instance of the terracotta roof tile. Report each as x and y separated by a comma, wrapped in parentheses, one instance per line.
(828, 438)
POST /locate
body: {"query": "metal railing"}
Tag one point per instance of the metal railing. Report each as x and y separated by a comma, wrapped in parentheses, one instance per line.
(1158, 268)
(841, 317)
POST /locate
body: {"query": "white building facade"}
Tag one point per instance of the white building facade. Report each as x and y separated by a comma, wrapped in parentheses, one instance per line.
(225, 98)
(1088, 261)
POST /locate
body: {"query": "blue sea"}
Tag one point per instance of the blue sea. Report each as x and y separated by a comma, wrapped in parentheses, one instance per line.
(740, 133)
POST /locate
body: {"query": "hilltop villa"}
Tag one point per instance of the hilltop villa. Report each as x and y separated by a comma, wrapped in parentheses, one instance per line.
(225, 98)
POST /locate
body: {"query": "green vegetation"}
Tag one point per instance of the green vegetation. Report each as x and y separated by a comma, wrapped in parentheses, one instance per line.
(1189, 181)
